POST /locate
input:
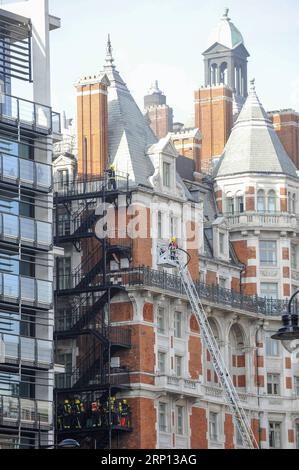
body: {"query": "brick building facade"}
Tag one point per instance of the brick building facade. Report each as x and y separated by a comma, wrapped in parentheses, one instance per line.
(243, 260)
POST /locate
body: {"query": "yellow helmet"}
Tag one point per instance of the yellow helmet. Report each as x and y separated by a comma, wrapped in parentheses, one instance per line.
(125, 402)
(77, 402)
(66, 402)
(112, 166)
(173, 239)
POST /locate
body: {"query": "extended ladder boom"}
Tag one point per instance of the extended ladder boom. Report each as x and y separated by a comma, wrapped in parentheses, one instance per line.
(231, 396)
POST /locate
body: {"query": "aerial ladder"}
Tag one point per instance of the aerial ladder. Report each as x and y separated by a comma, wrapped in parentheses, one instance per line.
(180, 259)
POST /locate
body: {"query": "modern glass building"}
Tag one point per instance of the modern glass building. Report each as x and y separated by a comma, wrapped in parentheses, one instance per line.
(27, 129)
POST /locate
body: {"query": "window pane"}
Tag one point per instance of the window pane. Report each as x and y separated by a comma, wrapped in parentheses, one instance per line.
(269, 290)
(178, 324)
(268, 253)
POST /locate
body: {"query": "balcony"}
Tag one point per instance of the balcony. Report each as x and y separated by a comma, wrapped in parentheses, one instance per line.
(264, 220)
(30, 414)
(26, 290)
(34, 119)
(178, 385)
(171, 283)
(27, 173)
(30, 232)
(31, 351)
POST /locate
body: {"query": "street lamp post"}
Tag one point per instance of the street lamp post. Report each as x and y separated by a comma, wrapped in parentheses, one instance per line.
(290, 329)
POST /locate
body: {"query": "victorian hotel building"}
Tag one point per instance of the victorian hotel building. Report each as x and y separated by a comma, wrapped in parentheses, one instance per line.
(228, 190)
(27, 128)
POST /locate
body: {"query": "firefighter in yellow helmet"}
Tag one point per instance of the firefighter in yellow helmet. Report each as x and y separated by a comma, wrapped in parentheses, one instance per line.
(111, 177)
(173, 246)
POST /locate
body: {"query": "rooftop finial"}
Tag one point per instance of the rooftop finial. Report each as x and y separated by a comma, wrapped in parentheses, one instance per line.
(252, 84)
(109, 56)
(226, 12)
(154, 87)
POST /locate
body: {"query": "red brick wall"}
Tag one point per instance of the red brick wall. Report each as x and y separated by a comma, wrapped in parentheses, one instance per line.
(199, 429)
(214, 117)
(92, 122)
(250, 198)
(228, 432)
(195, 363)
(211, 278)
(160, 120)
(286, 126)
(141, 357)
(144, 418)
(121, 311)
(148, 312)
(142, 247)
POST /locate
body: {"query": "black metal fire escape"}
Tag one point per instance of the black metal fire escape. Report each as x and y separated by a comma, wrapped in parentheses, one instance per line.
(83, 299)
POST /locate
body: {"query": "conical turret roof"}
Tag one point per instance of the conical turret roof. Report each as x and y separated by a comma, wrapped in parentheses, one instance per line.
(254, 146)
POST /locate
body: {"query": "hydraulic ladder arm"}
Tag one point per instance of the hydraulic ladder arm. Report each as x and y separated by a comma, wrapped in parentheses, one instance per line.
(178, 260)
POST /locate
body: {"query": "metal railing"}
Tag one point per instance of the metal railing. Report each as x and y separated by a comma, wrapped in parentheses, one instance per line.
(31, 414)
(143, 276)
(34, 116)
(29, 231)
(92, 184)
(26, 172)
(33, 351)
(27, 290)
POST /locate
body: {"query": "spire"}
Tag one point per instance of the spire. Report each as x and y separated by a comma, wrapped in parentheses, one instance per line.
(225, 14)
(109, 56)
(154, 88)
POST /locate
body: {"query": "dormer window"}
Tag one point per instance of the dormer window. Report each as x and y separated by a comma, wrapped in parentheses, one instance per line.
(166, 174)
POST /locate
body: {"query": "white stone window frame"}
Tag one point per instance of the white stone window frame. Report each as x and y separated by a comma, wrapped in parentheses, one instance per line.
(166, 320)
(167, 417)
(164, 352)
(184, 414)
(182, 325)
(271, 381)
(275, 423)
(183, 369)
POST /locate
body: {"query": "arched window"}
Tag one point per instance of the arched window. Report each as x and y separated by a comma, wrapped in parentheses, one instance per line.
(223, 73)
(237, 355)
(271, 201)
(261, 203)
(294, 204)
(239, 203)
(214, 74)
(230, 206)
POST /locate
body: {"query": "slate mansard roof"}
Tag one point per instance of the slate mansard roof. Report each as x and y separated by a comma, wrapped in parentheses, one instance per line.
(254, 146)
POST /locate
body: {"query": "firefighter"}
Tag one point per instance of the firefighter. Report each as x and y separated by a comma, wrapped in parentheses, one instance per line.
(125, 414)
(114, 411)
(111, 177)
(60, 413)
(77, 413)
(67, 414)
(173, 246)
(95, 414)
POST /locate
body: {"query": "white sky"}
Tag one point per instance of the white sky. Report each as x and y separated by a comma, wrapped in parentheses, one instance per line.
(164, 40)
